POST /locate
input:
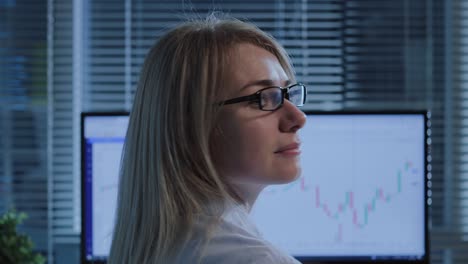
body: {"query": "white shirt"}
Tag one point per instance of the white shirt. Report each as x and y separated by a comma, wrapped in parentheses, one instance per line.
(237, 240)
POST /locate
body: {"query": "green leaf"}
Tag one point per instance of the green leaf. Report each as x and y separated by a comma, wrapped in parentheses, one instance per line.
(15, 247)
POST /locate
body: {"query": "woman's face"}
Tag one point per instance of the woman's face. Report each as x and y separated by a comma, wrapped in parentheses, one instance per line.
(254, 146)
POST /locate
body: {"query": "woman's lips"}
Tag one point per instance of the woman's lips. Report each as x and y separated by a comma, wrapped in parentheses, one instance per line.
(290, 150)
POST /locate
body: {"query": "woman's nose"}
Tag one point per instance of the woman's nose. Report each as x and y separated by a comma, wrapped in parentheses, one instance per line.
(292, 118)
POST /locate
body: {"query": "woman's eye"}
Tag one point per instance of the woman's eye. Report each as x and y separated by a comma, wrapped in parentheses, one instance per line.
(267, 97)
(253, 103)
(270, 98)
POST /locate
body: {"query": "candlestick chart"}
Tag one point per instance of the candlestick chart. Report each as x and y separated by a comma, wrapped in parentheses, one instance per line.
(361, 192)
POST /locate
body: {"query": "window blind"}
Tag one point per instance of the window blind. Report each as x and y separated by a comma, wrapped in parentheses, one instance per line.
(121, 34)
(64, 130)
(354, 54)
(23, 119)
(458, 70)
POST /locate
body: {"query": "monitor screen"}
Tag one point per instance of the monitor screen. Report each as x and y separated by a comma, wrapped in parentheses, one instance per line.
(361, 196)
(102, 142)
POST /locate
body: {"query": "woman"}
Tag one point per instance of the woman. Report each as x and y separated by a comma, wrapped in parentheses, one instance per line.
(214, 121)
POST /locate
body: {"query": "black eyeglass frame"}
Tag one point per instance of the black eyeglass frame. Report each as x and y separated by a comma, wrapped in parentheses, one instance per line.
(255, 97)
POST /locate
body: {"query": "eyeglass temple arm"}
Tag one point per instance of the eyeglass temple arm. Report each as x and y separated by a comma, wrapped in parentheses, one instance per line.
(252, 97)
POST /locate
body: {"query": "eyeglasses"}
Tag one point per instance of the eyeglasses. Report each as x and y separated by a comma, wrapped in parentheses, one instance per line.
(272, 98)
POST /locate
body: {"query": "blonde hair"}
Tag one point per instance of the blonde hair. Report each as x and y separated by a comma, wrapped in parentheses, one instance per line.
(167, 174)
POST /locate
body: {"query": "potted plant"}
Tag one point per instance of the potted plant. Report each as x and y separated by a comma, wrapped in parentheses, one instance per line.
(15, 247)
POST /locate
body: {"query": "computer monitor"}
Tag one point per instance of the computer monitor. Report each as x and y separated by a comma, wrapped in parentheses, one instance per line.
(102, 138)
(361, 197)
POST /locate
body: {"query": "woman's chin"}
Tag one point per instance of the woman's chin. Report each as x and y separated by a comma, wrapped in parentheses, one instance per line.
(287, 177)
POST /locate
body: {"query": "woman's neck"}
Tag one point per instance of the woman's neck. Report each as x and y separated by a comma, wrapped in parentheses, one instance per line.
(247, 193)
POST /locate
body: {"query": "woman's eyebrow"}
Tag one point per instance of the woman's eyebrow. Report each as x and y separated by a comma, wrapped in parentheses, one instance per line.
(264, 82)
